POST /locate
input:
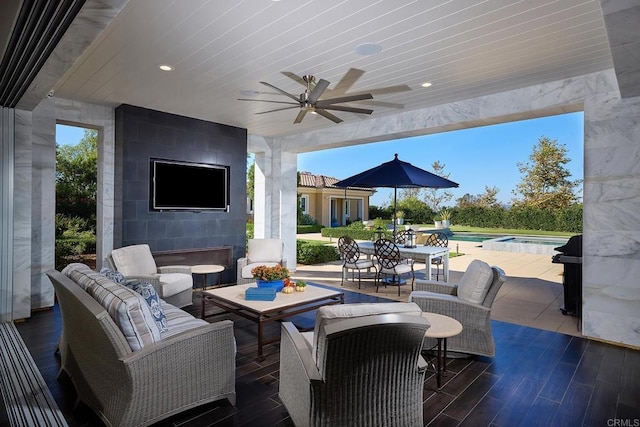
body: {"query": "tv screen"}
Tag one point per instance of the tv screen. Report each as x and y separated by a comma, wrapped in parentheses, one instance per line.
(177, 185)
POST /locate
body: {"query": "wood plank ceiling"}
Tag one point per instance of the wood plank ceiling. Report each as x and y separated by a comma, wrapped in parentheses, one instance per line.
(220, 49)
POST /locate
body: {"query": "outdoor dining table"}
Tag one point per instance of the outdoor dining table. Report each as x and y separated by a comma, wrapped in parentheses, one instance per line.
(419, 253)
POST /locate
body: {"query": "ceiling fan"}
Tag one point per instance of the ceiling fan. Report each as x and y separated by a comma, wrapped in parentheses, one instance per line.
(309, 101)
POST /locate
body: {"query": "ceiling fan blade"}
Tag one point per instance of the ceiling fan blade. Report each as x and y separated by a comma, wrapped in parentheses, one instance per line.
(296, 78)
(341, 99)
(383, 104)
(317, 91)
(347, 81)
(300, 116)
(328, 115)
(388, 89)
(295, 98)
(277, 109)
(349, 109)
(266, 100)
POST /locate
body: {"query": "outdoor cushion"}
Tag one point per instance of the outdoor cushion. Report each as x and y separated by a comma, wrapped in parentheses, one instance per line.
(334, 313)
(150, 296)
(475, 282)
(260, 250)
(127, 308)
(179, 321)
(135, 260)
(174, 283)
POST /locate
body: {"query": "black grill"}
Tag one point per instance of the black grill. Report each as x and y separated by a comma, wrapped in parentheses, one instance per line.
(571, 257)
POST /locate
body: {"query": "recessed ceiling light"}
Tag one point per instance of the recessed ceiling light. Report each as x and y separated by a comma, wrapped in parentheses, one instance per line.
(165, 67)
(426, 84)
(368, 49)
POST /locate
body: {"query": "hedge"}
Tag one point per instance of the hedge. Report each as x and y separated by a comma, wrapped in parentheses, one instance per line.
(566, 219)
(310, 252)
(358, 234)
(306, 229)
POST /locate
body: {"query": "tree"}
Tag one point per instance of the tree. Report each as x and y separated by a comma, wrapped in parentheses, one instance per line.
(251, 173)
(77, 177)
(436, 198)
(545, 182)
(487, 199)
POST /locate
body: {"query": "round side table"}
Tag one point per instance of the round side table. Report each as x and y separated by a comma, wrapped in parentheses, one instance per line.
(442, 327)
(206, 269)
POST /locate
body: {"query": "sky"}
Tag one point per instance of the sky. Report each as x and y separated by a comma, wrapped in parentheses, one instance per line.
(473, 158)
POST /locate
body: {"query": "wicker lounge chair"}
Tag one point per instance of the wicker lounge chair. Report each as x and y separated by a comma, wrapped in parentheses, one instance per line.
(269, 252)
(361, 370)
(469, 302)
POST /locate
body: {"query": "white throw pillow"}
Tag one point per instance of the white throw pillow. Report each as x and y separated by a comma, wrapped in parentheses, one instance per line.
(475, 282)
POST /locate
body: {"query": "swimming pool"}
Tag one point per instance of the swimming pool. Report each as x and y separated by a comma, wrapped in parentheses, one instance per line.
(474, 237)
(525, 244)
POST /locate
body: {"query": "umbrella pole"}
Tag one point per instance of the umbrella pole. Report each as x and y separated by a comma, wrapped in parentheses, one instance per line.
(395, 211)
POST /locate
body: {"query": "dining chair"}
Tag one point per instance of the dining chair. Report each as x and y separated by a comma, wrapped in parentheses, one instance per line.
(390, 262)
(438, 239)
(350, 255)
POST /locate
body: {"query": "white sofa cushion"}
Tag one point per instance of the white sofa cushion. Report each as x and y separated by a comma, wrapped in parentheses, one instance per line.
(135, 260)
(475, 282)
(264, 250)
(246, 270)
(334, 313)
(174, 283)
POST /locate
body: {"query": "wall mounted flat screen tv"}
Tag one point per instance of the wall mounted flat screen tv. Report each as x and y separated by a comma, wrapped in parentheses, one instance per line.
(177, 185)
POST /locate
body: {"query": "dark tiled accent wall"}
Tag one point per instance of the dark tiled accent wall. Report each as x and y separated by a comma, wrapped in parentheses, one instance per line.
(142, 134)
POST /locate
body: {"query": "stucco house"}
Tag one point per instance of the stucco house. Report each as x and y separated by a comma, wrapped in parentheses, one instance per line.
(329, 205)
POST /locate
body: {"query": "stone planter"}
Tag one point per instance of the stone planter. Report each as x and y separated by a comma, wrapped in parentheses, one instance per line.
(446, 223)
(438, 224)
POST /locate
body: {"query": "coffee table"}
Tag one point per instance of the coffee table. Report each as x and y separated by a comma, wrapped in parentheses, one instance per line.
(442, 327)
(231, 299)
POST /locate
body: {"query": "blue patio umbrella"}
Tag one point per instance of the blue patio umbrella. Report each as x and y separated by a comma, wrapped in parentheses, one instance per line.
(396, 174)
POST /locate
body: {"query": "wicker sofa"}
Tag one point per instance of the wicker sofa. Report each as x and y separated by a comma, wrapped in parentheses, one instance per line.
(121, 368)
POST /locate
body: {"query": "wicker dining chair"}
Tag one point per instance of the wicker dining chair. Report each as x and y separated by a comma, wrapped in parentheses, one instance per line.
(350, 255)
(390, 262)
(438, 239)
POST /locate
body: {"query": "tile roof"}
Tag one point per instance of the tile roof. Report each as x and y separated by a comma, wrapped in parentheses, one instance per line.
(308, 179)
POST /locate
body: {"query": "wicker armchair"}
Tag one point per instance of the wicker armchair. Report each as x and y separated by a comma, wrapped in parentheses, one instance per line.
(469, 302)
(361, 371)
(173, 283)
(269, 252)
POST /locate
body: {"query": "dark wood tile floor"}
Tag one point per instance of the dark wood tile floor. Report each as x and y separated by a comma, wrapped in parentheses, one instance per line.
(537, 378)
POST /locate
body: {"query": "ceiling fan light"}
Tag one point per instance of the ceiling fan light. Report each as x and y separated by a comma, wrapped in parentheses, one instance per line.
(166, 67)
(426, 84)
(368, 49)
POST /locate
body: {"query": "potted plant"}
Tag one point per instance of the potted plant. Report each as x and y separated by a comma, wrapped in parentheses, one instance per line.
(437, 221)
(400, 217)
(445, 216)
(270, 276)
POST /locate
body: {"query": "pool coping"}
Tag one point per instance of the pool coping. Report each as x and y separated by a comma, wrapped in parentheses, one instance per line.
(502, 244)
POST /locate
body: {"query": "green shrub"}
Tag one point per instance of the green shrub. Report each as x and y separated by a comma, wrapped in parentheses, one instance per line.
(311, 252)
(73, 246)
(306, 229)
(306, 219)
(354, 233)
(528, 218)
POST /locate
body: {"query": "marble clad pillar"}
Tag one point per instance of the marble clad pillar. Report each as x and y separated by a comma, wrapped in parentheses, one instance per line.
(611, 246)
(43, 203)
(22, 224)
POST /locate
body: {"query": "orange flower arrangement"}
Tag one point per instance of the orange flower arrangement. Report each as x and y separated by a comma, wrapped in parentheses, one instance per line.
(268, 274)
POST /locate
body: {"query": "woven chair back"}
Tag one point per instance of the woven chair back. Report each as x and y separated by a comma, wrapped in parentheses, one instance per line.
(387, 253)
(437, 239)
(349, 250)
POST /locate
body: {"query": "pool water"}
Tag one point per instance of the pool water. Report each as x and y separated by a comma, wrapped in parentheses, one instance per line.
(474, 237)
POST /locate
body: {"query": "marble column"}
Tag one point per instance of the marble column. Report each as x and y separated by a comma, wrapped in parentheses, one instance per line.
(611, 247)
(43, 203)
(7, 164)
(22, 221)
